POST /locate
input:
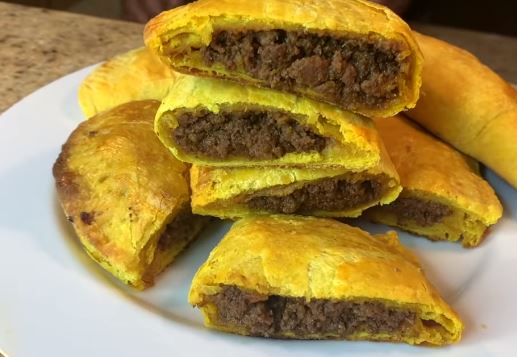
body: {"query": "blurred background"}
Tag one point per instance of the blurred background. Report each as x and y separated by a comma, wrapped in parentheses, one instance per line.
(495, 16)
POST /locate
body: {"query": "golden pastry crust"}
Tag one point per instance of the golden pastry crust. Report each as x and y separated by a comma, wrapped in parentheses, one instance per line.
(192, 27)
(134, 75)
(120, 188)
(222, 192)
(354, 140)
(432, 171)
(316, 258)
(469, 106)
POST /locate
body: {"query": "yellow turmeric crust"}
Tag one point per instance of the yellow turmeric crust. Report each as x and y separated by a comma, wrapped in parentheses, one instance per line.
(469, 106)
(120, 187)
(317, 258)
(131, 76)
(354, 140)
(176, 35)
(222, 192)
(431, 170)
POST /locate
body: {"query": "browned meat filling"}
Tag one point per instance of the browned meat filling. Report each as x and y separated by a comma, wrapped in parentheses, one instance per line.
(331, 194)
(181, 228)
(272, 316)
(349, 71)
(424, 213)
(253, 134)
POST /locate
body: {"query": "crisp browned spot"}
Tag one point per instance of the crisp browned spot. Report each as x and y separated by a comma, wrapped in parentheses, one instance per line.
(87, 217)
(65, 179)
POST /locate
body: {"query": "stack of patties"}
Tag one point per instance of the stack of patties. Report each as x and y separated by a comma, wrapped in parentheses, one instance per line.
(256, 150)
(284, 107)
(280, 137)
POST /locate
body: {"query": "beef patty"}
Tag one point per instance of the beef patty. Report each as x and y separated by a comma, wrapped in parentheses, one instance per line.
(252, 134)
(272, 316)
(424, 213)
(332, 194)
(349, 71)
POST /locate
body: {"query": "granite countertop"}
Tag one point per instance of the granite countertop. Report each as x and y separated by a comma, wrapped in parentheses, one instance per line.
(39, 45)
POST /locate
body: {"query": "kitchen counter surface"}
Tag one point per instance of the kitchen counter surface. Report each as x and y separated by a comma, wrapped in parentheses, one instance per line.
(38, 46)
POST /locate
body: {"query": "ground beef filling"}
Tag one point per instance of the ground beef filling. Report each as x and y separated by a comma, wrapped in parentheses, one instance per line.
(352, 72)
(181, 228)
(424, 213)
(331, 194)
(272, 316)
(253, 134)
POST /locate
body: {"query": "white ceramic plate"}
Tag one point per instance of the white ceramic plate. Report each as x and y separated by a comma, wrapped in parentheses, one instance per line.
(54, 301)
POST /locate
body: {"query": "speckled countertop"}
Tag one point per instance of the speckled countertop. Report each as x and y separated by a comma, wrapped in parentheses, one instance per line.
(38, 46)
